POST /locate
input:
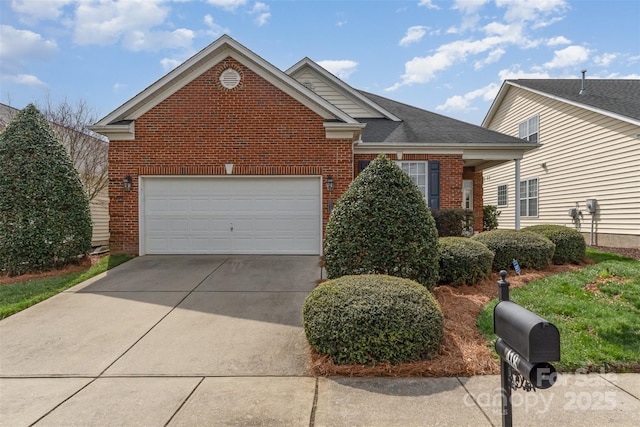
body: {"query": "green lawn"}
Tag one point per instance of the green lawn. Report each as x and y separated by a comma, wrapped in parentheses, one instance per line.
(596, 310)
(18, 296)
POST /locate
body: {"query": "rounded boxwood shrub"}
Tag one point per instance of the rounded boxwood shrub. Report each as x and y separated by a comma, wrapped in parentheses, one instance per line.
(531, 250)
(381, 225)
(463, 261)
(368, 319)
(570, 245)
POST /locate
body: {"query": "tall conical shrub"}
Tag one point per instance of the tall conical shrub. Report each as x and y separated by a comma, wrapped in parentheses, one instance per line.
(44, 212)
(381, 225)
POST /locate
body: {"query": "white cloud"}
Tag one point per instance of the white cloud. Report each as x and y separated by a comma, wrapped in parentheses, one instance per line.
(516, 73)
(531, 11)
(23, 79)
(227, 4)
(341, 68)
(557, 41)
(424, 69)
(469, 6)
(20, 46)
(414, 34)
(568, 56)
(428, 4)
(169, 64)
(215, 30)
(39, 10)
(108, 21)
(494, 56)
(157, 40)
(117, 86)
(605, 59)
(463, 102)
(262, 11)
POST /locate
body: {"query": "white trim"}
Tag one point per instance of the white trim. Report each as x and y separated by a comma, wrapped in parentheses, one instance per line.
(337, 130)
(143, 178)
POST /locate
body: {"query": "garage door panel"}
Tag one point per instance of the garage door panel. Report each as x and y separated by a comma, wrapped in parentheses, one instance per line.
(237, 215)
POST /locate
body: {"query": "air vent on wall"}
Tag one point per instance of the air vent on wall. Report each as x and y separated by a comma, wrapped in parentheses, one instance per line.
(230, 78)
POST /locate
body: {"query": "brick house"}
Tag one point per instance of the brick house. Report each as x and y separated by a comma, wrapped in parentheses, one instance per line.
(229, 154)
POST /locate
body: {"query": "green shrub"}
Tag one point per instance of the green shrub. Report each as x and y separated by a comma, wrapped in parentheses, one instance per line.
(382, 225)
(453, 222)
(369, 319)
(570, 245)
(44, 211)
(490, 214)
(463, 261)
(531, 250)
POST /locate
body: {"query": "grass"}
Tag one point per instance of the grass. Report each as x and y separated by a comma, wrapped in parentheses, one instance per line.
(596, 309)
(18, 296)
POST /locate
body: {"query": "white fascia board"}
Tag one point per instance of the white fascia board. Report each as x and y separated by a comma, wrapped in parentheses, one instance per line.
(337, 130)
(578, 104)
(340, 85)
(205, 59)
(116, 132)
(495, 104)
(468, 151)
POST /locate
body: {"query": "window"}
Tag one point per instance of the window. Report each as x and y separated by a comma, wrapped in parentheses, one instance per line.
(503, 195)
(529, 129)
(467, 194)
(529, 197)
(417, 171)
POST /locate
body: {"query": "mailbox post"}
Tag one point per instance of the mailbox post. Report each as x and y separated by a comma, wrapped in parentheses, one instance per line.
(526, 343)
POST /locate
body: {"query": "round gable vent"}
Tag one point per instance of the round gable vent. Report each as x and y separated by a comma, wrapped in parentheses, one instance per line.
(230, 78)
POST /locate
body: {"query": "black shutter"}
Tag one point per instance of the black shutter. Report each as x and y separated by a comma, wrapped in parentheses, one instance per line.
(433, 195)
(362, 164)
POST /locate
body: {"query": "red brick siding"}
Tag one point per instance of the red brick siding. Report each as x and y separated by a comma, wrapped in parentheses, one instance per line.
(195, 131)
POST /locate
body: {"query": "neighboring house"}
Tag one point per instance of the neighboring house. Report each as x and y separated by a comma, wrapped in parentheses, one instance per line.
(99, 204)
(229, 154)
(589, 132)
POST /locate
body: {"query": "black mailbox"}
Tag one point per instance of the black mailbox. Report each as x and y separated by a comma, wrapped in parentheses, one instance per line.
(533, 337)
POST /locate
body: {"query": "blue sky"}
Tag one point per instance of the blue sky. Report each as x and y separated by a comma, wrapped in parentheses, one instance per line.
(448, 57)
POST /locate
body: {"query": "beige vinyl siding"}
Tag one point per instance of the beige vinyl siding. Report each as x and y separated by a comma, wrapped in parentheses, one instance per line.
(350, 106)
(99, 207)
(585, 154)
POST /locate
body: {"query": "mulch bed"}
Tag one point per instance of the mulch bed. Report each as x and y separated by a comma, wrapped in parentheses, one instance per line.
(82, 264)
(464, 351)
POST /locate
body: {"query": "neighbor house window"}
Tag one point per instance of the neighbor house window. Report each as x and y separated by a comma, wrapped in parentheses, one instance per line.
(503, 195)
(417, 171)
(529, 129)
(529, 197)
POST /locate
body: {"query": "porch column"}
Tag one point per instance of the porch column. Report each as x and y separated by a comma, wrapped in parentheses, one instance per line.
(517, 195)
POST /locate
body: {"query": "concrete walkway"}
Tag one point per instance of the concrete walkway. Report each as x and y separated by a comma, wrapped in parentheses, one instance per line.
(217, 341)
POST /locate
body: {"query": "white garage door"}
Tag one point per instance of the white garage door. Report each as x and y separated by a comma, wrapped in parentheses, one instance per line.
(194, 215)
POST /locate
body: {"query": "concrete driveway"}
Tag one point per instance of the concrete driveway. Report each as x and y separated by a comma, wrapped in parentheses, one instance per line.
(168, 321)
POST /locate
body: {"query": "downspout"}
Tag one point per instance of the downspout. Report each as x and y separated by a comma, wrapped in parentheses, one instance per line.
(517, 195)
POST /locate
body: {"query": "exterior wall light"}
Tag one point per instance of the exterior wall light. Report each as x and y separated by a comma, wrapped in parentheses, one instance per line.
(329, 184)
(127, 183)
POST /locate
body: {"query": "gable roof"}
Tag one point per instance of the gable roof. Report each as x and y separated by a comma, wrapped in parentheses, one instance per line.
(120, 121)
(420, 125)
(618, 98)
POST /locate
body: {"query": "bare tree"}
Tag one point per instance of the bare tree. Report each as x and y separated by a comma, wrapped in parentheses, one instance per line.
(88, 150)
